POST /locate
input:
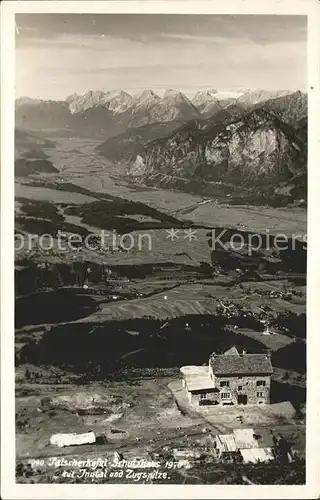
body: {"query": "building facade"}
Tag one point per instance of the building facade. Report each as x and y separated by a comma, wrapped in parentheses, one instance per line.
(230, 379)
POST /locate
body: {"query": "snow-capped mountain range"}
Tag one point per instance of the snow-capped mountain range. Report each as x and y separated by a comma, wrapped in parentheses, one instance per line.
(116, 110)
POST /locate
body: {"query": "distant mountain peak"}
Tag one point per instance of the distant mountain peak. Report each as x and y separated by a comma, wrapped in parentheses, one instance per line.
(175, 97)
(145, 94)
(170, 92)
(117, 93)
(206, 93)
(174, 93)
(256, 96)
(114, 100)
(203, 96)
(94, 93)
(27, 100)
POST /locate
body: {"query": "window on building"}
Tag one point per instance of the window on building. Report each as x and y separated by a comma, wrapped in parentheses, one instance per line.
(225, 395)
(259, 394)
(203, 396)
(261, 382)
(239, 387)
(224, 383)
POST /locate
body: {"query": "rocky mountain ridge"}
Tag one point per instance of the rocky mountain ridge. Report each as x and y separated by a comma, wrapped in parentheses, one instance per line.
(117, 110)
(290, 108)
(256, 151)
(211, 102)
(114, 100)
(103, 113)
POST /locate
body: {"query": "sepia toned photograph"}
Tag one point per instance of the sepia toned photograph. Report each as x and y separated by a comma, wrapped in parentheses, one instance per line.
(160, 240)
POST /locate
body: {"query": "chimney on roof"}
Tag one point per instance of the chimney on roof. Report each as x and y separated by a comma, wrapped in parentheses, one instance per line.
(268, 354)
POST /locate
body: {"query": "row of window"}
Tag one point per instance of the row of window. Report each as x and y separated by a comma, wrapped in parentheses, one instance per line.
(226, 383)
(227, 395)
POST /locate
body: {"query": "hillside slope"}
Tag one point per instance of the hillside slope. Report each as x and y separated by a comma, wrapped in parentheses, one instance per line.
(30, 145)
(126, 146)
(291, 108)
(24, 167)
(257, 150)
(37, 114)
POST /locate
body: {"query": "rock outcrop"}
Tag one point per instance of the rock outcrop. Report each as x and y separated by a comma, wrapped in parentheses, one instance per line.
(256, 150)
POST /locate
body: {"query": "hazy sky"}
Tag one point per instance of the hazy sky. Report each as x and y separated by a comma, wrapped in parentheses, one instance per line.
(59, 54)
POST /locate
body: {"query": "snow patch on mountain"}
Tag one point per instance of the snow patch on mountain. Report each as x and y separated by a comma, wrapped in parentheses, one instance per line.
(257, 96)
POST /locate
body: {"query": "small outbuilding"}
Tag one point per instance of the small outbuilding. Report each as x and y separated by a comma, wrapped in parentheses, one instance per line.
(244, 445)
(72, 439)
(256, 455)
